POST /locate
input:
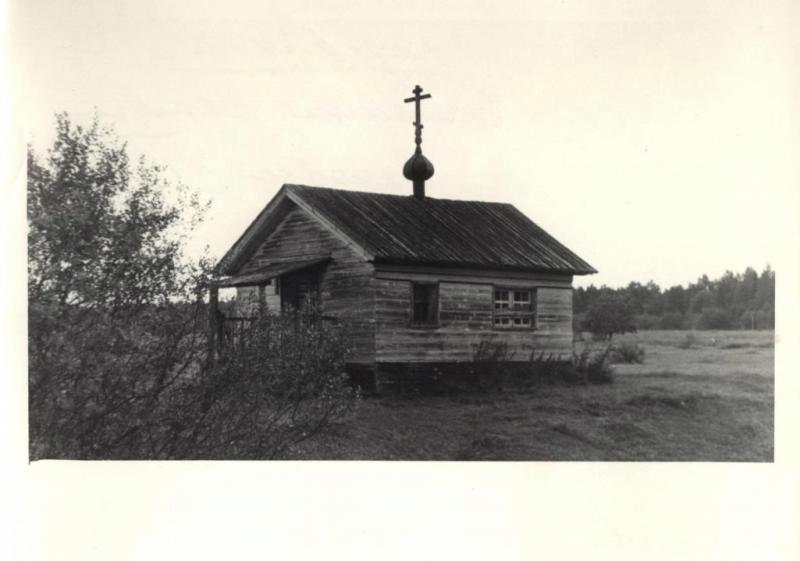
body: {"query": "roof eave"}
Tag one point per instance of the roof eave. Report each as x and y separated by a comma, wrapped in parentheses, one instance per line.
(466, 265)
(231, 261)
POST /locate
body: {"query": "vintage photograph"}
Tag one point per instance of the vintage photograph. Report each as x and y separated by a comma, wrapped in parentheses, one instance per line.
(288, 234)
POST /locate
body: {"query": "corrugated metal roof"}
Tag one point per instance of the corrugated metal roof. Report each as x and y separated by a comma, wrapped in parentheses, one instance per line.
(405, 229)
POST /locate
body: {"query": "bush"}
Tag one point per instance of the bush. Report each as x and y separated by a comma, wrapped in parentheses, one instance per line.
(672, 320)
(578, 321)
(492, 351)
(716, 318)
(593, 366)
(97, 381)
(627, 353)
(286, 384)
(138, 386)
(689, 341)
(611, 314)
(644, 322)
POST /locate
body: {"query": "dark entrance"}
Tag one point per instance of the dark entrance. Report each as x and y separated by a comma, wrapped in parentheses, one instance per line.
(300, 290)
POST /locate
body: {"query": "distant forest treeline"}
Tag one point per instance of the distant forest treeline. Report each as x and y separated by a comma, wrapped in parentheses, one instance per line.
(733, 301)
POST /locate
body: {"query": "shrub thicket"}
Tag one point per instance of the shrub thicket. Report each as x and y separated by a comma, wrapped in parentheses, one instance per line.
(593, 366)
(627, 353)
(139, 386)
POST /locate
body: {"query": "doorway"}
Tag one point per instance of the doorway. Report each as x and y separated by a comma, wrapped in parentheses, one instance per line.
(300, 290)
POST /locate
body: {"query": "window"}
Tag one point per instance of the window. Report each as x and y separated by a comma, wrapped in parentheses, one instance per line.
(513, 309)
(424, 303)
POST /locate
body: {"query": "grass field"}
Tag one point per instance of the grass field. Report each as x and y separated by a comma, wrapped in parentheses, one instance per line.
(698, 396)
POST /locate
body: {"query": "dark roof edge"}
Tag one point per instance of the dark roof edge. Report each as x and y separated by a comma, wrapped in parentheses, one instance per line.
(463, 265)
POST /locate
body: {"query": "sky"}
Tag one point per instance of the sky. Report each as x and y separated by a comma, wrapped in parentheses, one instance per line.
(654, 139)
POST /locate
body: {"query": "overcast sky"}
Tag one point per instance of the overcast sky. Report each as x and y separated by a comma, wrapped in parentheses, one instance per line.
(655, 139)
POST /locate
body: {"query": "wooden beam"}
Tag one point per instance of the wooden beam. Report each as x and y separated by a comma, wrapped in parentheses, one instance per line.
(214, 323)
(262, 299)
(510, 279)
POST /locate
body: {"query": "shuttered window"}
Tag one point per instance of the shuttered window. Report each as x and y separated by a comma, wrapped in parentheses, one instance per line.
(514, 308)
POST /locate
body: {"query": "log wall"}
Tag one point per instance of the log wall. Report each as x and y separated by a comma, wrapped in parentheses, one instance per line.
(465, 320)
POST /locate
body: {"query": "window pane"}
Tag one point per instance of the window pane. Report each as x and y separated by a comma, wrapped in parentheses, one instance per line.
(424, 303)
(513, 308)
(501, 300)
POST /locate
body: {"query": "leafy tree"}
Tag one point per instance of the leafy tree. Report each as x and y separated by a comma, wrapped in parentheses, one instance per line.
(676, 300)
(733, 301)
(101, 232)
(611, 314)
(745, 292)
(725, 290)
(765, 290)
(106, 273)
(117, 329)
(701, 300)
(671, 320)
(716, 318)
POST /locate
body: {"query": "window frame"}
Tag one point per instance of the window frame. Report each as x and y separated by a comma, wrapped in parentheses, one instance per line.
(514, 311)
(433, 323)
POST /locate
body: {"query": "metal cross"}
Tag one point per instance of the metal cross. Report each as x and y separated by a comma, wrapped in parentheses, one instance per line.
(418, 123)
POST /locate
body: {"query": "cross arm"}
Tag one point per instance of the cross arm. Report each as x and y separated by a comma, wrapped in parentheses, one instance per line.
(408, 99)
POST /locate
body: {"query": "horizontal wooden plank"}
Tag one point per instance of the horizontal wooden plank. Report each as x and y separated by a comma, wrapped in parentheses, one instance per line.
(468, 275)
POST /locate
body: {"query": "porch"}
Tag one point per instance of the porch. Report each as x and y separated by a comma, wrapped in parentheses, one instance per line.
(274, 288)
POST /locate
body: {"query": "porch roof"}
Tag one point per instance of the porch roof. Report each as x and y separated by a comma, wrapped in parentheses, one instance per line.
(262, 274)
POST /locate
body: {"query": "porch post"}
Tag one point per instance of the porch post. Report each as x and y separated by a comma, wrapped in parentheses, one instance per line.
(262, 300)
(213, 322)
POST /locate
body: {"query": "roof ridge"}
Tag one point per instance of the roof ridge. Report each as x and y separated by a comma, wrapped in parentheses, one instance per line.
(293, 186)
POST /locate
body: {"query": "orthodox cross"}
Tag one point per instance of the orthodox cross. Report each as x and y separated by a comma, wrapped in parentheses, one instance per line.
(418, 123)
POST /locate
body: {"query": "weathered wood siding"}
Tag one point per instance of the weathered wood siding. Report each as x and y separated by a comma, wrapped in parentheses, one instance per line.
(346, 285)
(554, 318)
(378, 309)
(466, 319)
